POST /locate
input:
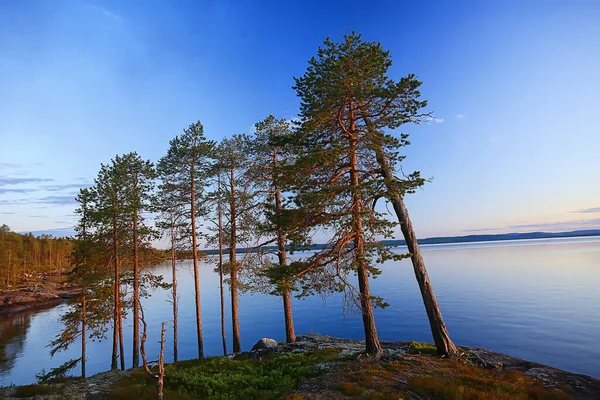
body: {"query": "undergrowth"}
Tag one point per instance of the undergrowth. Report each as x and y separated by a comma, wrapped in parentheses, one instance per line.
(223, 378)
(434, 378)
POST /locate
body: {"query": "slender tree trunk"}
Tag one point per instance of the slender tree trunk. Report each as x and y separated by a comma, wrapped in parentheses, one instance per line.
(237, 346)
(121, 341)
(371, 340)
(222, 289)
(196, 272)
(116, 294)
(160, 378)
(84, 297)
(174, 268)
(441, 338)
(290, 334)
(136, 291)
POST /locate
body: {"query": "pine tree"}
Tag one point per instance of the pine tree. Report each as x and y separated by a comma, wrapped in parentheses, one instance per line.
(139, 176)
(239, 207)
(188, 164)
(268, 162)
(171, 222)
(346, 88)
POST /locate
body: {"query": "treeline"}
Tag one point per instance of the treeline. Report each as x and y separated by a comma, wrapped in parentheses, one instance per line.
(24, 254)
(267, 192)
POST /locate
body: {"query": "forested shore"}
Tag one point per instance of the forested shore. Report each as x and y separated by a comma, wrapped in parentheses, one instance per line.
(25, 257)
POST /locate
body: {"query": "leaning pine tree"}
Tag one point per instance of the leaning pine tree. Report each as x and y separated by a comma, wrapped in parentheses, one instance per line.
(336, 180)
(346, 88)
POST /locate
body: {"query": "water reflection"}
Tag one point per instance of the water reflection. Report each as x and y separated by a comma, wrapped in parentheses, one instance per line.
(537, 300)
(13, 330)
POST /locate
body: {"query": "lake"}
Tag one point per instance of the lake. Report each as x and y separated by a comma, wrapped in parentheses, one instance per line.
(534, 299)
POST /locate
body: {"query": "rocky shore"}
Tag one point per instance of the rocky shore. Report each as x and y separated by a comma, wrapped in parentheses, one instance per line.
(40, 296)
(406, 370)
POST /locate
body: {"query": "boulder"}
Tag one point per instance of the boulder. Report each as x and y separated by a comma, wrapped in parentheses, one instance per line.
(265, 343)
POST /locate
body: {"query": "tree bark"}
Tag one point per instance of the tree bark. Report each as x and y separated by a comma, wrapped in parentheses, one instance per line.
(116, 294)
(121, 341)
(221, 288)
(83, 327)
(136, 285)
(444, 345)
(237, 346)
(371, 339)
(290, 334)
(174, 268)
(196, 272)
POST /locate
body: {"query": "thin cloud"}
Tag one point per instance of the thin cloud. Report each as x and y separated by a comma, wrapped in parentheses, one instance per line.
(588, 210)
(593, 223)
(106, 13)
(480, 230)
(56, 188)
(12, 190)
(460, 116)
(19, 181)
(10, 165)
(7, 213)
(434, 120)
(57, 200)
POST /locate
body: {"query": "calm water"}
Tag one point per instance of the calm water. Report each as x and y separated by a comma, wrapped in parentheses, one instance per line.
(536, 299)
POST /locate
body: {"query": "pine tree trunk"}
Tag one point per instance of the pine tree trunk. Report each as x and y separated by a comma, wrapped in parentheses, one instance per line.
(136, 293)
(290, 334)
(83, 322)
(221, 288)
(116, 294)
(371, 340)
(237, 346)
(121, 341)
(441, 338)
(174, 268)
(196, 272)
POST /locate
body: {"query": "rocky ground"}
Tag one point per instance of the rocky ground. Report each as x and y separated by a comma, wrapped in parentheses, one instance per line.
(402, 372)
(34, 296)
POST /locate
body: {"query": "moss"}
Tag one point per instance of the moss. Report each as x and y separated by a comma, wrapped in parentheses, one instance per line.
(421, 348)
(32, 390)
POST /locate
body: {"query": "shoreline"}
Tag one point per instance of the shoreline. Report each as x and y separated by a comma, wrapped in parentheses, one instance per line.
(19, 300)
(403, 368)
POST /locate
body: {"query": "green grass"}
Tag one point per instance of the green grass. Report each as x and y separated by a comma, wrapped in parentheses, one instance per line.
(223, 378)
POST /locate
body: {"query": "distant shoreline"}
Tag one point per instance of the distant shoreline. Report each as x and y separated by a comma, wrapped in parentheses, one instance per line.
(458, 239)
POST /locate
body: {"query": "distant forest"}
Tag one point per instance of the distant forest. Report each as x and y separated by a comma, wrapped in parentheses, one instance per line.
(21, 254)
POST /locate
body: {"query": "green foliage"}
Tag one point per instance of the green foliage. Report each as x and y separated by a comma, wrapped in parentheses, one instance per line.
(58, 372)
(422, 348)
(224, 378)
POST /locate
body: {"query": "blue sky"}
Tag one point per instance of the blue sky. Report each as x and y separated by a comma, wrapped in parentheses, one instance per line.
(514, 87)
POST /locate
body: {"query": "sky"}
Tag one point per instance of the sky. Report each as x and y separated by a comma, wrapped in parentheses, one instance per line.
(514, 87)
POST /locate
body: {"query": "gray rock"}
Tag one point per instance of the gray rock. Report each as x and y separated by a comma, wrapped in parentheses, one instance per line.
(265, 343)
